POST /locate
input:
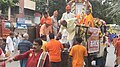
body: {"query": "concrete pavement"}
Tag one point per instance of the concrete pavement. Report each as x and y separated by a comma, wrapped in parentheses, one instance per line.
(14, 63)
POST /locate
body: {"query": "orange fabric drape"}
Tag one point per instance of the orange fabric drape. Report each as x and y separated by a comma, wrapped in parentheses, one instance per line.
(89, 20)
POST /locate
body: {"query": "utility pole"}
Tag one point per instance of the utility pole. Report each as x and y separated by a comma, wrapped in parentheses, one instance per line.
(47, 4)
(9, 10)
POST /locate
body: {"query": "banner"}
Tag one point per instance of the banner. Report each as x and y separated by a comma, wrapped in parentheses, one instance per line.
(93, 40)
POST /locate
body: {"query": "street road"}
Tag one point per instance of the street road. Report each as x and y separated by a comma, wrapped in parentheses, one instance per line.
(14, 63)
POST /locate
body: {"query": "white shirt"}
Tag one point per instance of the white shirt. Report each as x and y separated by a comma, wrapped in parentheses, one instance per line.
(9, 45)
(67, 16)
(70, 28)
(64, 36)
(55, 23)
(16, 40)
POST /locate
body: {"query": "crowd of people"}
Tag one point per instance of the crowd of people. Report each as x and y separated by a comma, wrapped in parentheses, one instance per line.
(41, 53)
(46, 50)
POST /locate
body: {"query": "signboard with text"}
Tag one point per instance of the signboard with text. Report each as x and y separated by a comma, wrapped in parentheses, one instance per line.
(21, 23)
(93, 40)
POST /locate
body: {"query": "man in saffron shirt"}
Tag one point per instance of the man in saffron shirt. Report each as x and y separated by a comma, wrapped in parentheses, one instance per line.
(46, 29)
(115, 39)
(34, 56)
(117, 51)
(45, 18)
(78, 53)
(89, 20)
(54, 48)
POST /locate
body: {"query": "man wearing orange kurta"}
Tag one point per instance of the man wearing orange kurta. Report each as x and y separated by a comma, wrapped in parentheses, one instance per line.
(89, 20)
(78, 53)
(117, 51)
(45, 18)
(115, 39)
(46, 28)
(54, 48)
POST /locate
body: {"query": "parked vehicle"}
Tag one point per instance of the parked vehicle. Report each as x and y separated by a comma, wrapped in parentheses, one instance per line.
(5, 28)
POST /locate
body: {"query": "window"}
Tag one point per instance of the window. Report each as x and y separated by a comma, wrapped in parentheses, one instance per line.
(20, 10)
(7, 24)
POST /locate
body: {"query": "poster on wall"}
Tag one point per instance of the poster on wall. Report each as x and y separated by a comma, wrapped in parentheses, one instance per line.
(93, 40)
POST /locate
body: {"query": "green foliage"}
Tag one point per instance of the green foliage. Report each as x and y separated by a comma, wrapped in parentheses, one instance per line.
(4, 4)
(108, 11)
(40, 5)
(114, 11)
(9, 2)
(53, 5)
(57, 5)
(99, 10)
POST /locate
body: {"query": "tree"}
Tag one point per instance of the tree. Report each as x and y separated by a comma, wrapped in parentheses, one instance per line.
(114, 11)
(53, 5)
(40, 5)
(99, 10)
(57, 5)
(114, 7)
(109, 10)
(4, 4)
(7, 4)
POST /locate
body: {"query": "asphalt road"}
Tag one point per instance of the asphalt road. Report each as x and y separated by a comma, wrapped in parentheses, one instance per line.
(13, 64)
